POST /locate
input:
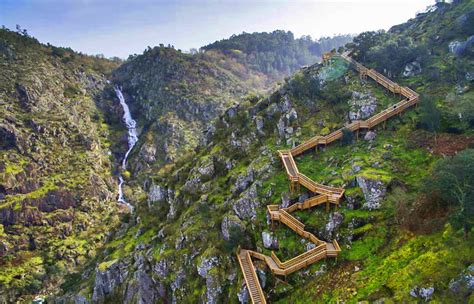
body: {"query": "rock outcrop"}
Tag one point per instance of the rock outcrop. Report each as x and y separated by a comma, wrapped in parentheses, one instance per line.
(373, 190)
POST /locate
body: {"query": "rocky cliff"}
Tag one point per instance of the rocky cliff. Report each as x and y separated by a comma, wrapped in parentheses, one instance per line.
(57, 191)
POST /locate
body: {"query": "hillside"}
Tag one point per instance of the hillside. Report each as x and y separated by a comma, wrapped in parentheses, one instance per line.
(179, 94)
(402, 239)
(57, 191)
(277, 54)
(176, 95)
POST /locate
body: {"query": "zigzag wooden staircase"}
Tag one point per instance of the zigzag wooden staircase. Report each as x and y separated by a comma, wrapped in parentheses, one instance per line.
(325, 194)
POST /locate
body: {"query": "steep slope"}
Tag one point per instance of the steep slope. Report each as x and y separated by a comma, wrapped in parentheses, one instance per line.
(57, 194)
(176, 95)
(399, 242)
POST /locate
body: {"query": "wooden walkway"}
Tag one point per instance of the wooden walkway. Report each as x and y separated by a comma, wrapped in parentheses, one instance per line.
(324, 194)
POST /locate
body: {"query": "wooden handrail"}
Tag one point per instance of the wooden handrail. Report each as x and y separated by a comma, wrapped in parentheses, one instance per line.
(254, 273)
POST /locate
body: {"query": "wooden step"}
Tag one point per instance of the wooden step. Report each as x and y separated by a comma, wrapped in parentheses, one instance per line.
(250, 277)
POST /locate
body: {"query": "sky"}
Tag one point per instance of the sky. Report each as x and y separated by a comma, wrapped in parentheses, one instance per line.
(124, 27)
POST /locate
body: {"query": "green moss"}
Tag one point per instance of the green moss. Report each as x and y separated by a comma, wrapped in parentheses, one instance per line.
(368, 246)
(105, 265)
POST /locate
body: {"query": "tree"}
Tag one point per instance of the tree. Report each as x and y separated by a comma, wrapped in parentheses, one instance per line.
(430, 115)
(347, 136)
(365, 41)
(452, 180)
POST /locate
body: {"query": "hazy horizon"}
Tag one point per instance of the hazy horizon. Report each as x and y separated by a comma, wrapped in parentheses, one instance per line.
(120, 28)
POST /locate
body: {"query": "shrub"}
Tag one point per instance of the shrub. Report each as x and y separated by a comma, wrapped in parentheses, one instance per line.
(452, 180)
(347, 136)
(430, 115)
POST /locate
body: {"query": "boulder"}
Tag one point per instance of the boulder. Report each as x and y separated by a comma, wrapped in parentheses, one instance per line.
(362, 105)
(424, 293)
(157, 193)
(207, 169)
(243, 182)
(412, 69)
(270, 241)
(463, 285)
(373, 190)
(285, 200)
(243, 295)
(461, 48)
(246, 206)
(370, 135)
(335, 220)
(230, 223)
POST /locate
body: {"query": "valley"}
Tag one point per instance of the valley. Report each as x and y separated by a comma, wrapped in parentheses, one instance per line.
(261, 168)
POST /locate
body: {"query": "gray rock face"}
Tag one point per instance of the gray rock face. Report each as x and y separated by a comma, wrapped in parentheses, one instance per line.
(369, 136)
(469, 76)
(157, 194)
(246, 206)
(335, 220)
(213, 284)
(412, 69)
(232, 111)
(362, 105)
(285, 200)
(262, 277)
(243, 295)
(464, 283)
(259, 124)
(424, 293)
(281, 126)
(161, 269)
(108, 280)
(373, 190)
(239, 141)
(176, 286)
(173, 203)
(148, 153)
(207, 169)
(143, 289)
(243, 182)
(192, 184)
(229, 223)
(292, 115)
(287, 118)
(460, 48)
(270, 241)
(208, 135)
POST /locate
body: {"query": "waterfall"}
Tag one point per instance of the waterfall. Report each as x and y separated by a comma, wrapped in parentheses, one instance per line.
(131, 125)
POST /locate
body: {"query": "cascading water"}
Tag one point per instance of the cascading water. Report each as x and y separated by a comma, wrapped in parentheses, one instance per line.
(131, 124)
